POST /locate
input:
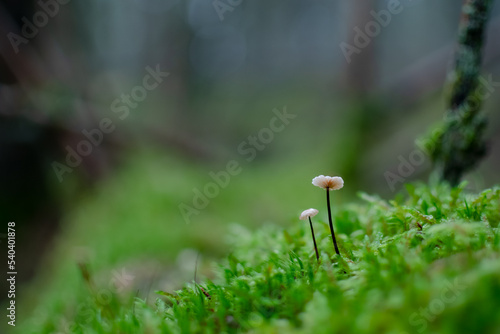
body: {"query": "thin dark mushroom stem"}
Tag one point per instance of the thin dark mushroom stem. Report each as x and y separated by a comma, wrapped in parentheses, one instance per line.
(330, 220)
(314, 239)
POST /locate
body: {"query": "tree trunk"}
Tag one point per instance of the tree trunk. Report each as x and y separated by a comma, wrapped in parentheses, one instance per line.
(461, 145)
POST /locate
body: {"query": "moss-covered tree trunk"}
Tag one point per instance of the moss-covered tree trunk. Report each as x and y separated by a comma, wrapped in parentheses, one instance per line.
(461, 144)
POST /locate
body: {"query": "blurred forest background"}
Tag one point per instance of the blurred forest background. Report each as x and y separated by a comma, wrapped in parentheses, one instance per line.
(228, 70)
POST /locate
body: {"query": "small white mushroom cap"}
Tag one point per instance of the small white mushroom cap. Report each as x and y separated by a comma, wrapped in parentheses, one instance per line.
(328, 182)
(308, 213)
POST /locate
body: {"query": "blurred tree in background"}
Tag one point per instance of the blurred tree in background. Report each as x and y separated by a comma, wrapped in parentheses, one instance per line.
(461, 146)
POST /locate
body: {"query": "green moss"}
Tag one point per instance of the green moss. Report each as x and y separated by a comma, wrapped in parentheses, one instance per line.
(427, 262)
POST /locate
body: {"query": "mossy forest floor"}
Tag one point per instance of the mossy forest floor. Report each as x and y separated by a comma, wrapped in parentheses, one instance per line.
(426, 262)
